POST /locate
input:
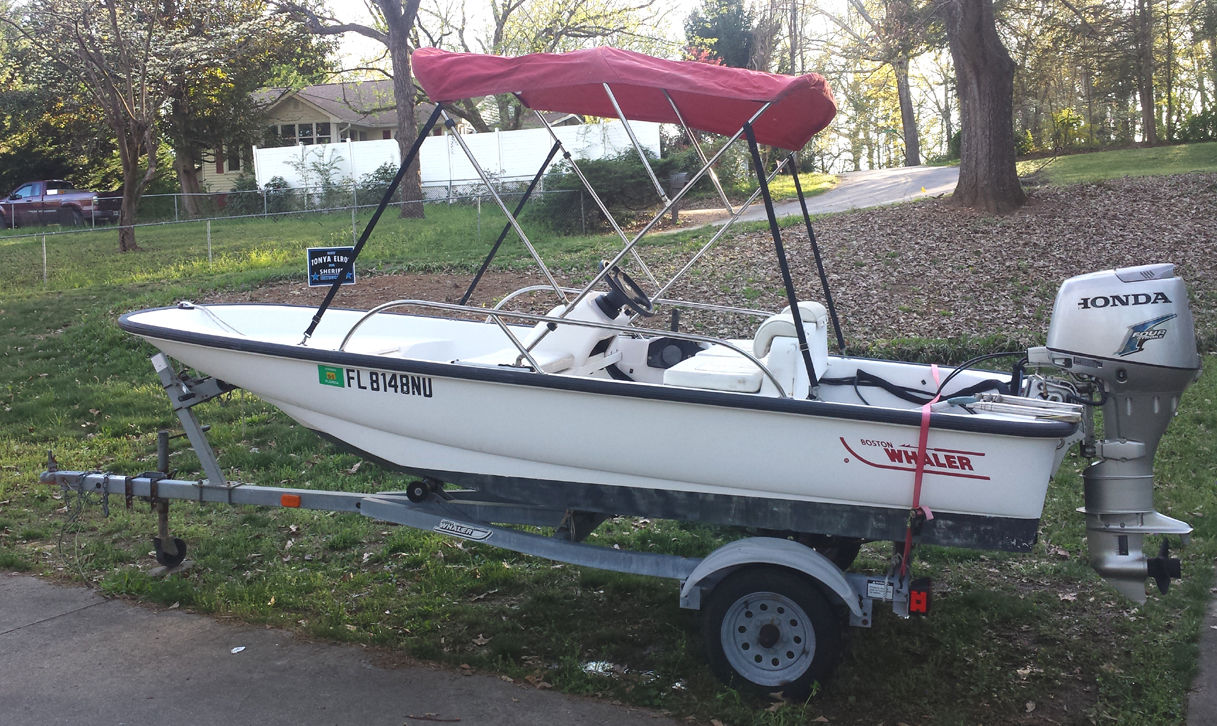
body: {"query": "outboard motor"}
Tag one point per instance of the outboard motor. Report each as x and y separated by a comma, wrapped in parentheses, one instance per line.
(1130, 333)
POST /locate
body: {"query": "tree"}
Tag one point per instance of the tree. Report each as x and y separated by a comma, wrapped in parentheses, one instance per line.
(118, 53)
(393, 26)
(213, 104)
(723, 27)
(892, 38)
(984, 75)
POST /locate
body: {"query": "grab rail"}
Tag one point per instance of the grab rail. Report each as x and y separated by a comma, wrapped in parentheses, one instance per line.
(497, 315)
(670, 302)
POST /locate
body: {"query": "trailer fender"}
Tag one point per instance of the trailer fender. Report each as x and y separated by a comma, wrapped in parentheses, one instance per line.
(767, 551)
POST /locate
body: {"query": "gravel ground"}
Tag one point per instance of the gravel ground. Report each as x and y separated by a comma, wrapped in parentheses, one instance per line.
(926, 269)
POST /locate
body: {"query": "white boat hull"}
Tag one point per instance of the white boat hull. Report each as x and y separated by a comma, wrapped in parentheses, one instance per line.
(480, 425)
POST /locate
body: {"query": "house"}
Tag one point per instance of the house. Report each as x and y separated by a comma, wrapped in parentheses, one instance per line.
(322, 114)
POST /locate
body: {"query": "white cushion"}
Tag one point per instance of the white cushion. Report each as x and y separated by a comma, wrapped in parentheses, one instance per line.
(815, 324)
(717, 368)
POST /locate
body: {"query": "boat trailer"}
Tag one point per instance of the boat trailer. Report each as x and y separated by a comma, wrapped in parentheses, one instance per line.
(773, 608)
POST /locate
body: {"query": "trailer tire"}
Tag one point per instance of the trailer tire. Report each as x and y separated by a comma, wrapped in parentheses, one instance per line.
(770, 629)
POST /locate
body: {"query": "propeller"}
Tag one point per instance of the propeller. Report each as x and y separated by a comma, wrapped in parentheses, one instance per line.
(1164, 568)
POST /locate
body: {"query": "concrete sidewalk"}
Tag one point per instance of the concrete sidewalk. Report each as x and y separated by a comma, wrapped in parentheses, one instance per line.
(70, 656)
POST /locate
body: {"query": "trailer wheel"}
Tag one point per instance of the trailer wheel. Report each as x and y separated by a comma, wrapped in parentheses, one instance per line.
(769, 629)
(164, 557)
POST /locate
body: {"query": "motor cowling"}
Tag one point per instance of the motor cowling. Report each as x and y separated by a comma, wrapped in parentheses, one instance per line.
(1131, 331)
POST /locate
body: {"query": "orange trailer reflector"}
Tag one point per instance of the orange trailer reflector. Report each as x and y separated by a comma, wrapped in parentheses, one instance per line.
(290, 500)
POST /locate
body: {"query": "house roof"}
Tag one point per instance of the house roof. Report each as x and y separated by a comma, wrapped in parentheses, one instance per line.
(365, 103)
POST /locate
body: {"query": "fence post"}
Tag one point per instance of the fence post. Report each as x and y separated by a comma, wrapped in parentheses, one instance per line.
(264, 209)
(354, 207)
(44, 275)
(176, 218)
(209, 242)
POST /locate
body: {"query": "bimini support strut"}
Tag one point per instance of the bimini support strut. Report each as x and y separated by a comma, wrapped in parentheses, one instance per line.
(776, 232)
(367, 230)
(815, 251)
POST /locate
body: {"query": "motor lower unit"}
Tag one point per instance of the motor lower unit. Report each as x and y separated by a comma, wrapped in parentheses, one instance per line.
(1126, 336)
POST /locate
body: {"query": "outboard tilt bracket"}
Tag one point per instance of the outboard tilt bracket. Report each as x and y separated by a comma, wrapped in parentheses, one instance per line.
(1130, 333)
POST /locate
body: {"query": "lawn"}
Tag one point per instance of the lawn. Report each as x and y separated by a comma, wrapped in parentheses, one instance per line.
(1157, 160)
(1015, 638)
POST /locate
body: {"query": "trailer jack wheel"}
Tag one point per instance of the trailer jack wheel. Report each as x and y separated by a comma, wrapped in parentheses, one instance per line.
(169, 558)
(769, 629)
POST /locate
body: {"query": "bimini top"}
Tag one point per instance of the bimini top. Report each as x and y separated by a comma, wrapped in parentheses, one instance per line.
(711, 98)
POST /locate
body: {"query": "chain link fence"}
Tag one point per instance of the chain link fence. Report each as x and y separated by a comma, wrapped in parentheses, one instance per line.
(32, 250)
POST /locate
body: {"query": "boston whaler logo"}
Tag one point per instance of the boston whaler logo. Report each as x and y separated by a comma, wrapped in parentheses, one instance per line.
(1140, 333)
(1099, 302)
(464, 531)
(903, 457)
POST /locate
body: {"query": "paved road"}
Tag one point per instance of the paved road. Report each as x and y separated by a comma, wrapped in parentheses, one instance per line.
(856, 190)
(69, 656)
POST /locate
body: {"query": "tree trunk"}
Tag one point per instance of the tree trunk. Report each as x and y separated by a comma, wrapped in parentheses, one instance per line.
(1145, 75)
(399, 17)
(984, 74)
(908, 121)
(188, 178)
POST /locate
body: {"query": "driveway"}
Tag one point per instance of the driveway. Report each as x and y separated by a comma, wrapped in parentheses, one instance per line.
(855, 190)
(71, 656)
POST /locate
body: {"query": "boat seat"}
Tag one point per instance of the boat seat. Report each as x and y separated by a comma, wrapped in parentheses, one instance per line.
(781, 325)
(717, 368)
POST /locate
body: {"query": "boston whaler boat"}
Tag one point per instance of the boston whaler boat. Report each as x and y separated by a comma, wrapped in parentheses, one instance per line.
(566, 418)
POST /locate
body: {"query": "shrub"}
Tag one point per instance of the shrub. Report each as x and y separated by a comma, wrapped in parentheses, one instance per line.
(244, 198)
(373, 185)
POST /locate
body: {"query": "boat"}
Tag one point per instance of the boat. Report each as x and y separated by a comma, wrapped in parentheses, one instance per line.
(588, 408)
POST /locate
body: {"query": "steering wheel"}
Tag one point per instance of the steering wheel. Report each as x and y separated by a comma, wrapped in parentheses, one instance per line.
(627, 292)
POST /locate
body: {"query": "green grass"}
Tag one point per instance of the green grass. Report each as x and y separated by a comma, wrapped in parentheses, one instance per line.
(1095, 166)
(812, 183)
(1008, 629)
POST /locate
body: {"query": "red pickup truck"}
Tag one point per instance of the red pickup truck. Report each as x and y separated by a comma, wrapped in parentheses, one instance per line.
(56, 201)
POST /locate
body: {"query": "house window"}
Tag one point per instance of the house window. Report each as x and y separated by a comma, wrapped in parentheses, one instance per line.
(287, 132)
(386, 134)
(323, 132)
(234, 157)
(304, 133)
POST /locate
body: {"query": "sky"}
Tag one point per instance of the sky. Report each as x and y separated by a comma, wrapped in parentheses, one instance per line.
(355, 47)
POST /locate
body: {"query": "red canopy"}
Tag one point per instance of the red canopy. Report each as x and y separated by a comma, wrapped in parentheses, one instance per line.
(711, 98)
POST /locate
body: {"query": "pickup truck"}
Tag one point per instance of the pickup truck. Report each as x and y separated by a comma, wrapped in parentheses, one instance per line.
(56, 201)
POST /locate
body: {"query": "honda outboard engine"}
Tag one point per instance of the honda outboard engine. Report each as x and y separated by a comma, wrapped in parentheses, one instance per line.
(1129, 334)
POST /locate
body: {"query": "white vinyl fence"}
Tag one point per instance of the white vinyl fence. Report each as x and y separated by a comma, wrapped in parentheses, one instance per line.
(506, 156)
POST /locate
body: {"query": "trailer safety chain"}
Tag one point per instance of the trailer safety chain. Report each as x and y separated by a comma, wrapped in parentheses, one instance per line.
(919, 514)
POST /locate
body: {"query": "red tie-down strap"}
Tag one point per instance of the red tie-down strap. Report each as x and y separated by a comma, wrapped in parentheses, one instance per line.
(919, 511)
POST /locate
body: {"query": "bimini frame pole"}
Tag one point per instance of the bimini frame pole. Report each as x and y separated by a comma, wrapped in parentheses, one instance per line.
(646, 229)
(722, 195)
(815, 250)
(722, 230)
(367, 230)
(507, 227)
(629, 129)
(448, 122)
(587, 187)
(780, 250)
